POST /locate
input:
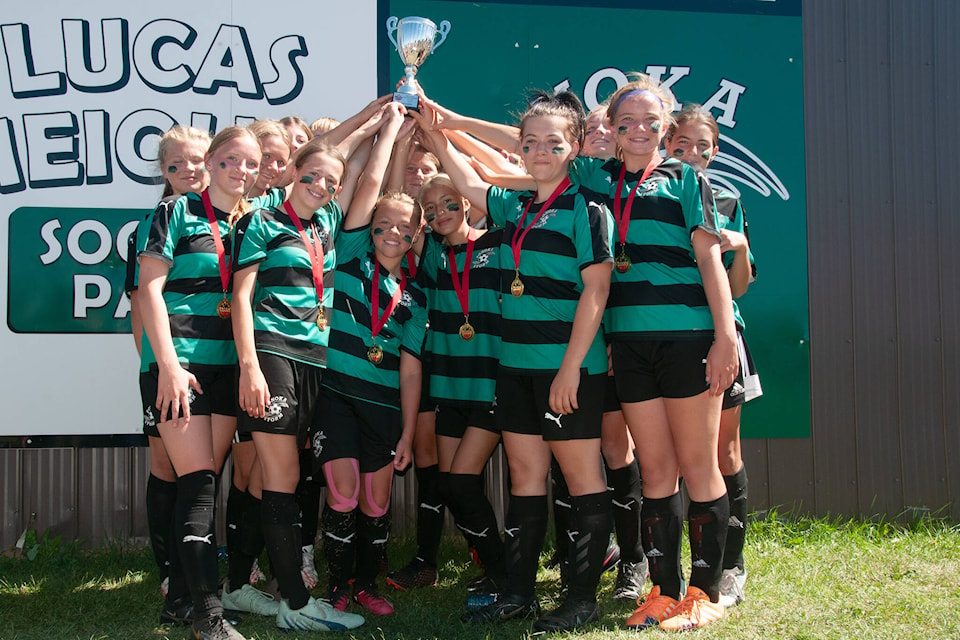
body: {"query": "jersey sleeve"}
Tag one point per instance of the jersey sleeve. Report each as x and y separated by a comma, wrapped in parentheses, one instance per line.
(497, 201)
(593, 234)
(165, 230)
(699, 209)
(271, 199)
(587, 172)
(429, 263)
(352, 243)
(250, 243)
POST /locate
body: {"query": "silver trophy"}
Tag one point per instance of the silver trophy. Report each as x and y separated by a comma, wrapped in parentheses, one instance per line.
(415, 40)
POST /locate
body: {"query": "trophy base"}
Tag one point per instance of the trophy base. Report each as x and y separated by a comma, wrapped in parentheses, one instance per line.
(410, 100)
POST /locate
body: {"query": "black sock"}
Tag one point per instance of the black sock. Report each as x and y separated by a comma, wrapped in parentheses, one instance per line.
(430, 513)
(524, 530)
(477, 521)
(372, 535)
(236, 500)
(161, 499)
(737, 524)
(662, 520)
(591, 520)
(196, 493)
(708, 533)
(308, 497)
(281, 534)
(627, 500)
(248, 541)
(561, 509)
(339, 538)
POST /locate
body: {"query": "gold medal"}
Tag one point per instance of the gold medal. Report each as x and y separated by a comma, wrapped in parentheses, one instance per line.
(321, 320)
(516, 287)
(375, 354)
(467, 331)
(622, 262)
(223, 309)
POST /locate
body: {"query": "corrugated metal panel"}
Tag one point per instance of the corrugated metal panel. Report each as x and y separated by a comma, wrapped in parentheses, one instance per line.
(49, 490)
(11, 515)
(103, 490)
(946, 55)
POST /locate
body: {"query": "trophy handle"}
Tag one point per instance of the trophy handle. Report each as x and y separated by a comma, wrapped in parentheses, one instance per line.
(443, 30)
(392, 23)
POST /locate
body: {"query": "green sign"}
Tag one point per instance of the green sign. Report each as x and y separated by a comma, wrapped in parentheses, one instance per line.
(742, 60)
(66, 269)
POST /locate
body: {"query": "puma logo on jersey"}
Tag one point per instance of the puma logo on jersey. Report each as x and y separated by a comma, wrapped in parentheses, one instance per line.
(204, 539)
(482, 534)
(430, 507)
(336, 538)
(550, 416)
(368, 268)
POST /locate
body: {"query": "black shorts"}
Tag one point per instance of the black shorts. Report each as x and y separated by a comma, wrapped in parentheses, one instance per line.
(453, 420)
(523, 406)
(220, 393)
(648, 369)
(611, 401)
(427, 404)
(747, 385)
(357, 429)
(294, 391)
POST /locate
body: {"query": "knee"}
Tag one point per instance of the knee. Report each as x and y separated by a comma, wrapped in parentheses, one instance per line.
(343, 489)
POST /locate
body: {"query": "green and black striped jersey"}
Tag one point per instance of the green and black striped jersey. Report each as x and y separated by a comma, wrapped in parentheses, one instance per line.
(285, 302)
(731, 216)
(661, 294)
(180, 236)
(463, 372)
(270, 200)
(572, 235)
(349, 372)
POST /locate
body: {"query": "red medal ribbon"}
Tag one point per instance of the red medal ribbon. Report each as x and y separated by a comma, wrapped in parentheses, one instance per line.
(462, 288)
(520, 233)
(623, 217)
(377, 323)
(316, 257)
(222, 260)
(412, 263)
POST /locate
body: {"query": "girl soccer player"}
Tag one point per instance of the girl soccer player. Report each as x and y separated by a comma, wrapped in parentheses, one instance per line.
(555, 261)
(695, 139)
(371, 389)
(190, 358)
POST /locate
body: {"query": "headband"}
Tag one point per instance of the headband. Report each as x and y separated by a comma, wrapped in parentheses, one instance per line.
(635, 92)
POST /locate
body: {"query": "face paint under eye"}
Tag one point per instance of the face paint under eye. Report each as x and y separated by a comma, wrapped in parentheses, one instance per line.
(557, 151)
(526, 149)
(378, 232)
(331, 190)
(655, 126)
(172, 169)
(706, 154)
(430, 216)
(678, 153)
(408, 239)
(453, 206)
(306, 180)
(223, 165)
(202, 169)
(622, 130)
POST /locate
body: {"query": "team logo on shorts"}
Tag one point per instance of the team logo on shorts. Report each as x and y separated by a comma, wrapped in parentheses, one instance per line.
(148, 418)
(275, 408)
(317, 443)
(191, 395)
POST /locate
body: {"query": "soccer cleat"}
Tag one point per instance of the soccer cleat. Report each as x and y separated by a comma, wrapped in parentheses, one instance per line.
(416, 574)
(251, 600)
(215, 628)
(339, 597)
(255, 574)
(371, 600)
(693, 612)
(630, 579)
(612, 557)
(570, 615)
(731, 586)
(308, 570)
(477, 601)
(178, 613)
(506, 608)
(316, 615)
(655, 608)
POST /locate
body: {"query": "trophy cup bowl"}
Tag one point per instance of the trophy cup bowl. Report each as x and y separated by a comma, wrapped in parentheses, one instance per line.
(416, 38)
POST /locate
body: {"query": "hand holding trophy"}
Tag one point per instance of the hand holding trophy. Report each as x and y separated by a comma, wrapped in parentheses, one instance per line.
(415, 40)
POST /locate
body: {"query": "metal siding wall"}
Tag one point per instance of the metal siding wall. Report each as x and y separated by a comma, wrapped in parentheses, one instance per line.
(10, 502)
(946, 55)
(48, 488)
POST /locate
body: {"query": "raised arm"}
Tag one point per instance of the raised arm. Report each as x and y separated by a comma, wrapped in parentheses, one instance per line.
(368, 187)
(346, 132)
(465, 179)
(498, 135)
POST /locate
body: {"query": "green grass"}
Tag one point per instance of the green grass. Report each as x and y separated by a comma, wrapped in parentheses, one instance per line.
(808, 579)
